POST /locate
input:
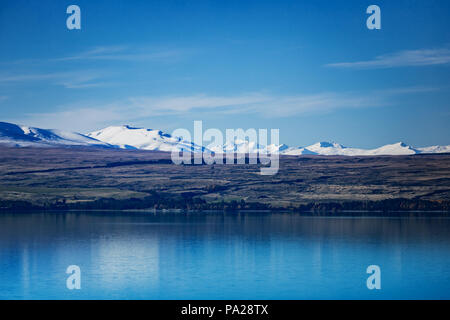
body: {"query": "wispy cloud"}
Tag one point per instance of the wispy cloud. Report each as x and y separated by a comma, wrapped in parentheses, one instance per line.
(87, 78)
(71, 80)
(127, 53)
(86, 116)
(408, 58)
(123, 53)
(171, 105)
(3, 98)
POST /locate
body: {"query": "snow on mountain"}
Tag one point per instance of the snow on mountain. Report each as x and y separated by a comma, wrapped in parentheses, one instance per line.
(298, 152)
(245, 146)
(127, 137)
(399, 148)
(328, 149)
(236, 146)
(273, 148)
(435, 149)
(24, 136)
(148, 139)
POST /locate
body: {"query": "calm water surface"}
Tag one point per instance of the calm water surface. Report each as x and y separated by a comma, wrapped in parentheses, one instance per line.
(222, 256)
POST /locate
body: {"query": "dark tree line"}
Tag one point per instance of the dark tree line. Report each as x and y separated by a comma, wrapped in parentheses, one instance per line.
(191, 201)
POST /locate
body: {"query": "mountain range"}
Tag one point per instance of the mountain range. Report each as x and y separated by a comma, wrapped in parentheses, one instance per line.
(127, 137)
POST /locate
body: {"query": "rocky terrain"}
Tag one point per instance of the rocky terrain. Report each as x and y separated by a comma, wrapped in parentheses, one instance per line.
(98, 178)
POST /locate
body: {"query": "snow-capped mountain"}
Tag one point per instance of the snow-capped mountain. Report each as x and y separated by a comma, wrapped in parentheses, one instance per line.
(244, 146)
(328, 149)
(24, 136)
(127, 137)
(399, 148)
(435, 149)
(147, 139)
(298, 152)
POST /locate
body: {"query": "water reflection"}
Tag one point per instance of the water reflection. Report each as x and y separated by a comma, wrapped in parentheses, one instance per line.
(217, 255)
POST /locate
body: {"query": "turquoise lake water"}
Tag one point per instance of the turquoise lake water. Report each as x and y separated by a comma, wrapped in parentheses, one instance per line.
(222, 256)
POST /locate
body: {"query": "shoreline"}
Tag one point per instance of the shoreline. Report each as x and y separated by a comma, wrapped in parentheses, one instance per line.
(389, 207)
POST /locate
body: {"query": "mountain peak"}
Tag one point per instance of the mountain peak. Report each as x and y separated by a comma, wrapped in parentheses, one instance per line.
(128, 137)
(25, 136)
(326, 144)
(126, 126)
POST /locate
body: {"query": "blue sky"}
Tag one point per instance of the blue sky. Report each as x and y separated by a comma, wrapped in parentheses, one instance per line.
(310, 68)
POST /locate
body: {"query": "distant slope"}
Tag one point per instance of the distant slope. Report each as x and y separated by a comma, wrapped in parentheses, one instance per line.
(127, 137)
(95, 178)
(435, 149)
(327, 148)
(23, 136)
